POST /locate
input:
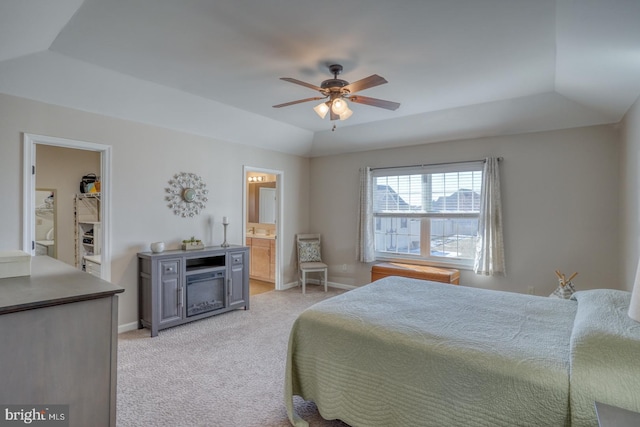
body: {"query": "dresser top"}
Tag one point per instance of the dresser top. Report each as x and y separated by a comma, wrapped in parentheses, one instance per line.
(52, 282)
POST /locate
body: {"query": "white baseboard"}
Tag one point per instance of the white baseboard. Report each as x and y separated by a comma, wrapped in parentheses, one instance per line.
(318, 282)
(341, 286)
(127, 327)
(289, 285)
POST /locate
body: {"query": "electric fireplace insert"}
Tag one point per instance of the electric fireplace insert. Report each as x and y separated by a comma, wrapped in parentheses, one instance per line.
(205, 291)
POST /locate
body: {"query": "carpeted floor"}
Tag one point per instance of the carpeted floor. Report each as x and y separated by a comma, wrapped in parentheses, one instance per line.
(227, 370)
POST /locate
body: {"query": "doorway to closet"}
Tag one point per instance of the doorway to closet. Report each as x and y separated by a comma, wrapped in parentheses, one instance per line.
(262, 211)
(85, 245)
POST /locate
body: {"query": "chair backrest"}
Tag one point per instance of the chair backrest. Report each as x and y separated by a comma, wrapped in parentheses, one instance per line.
(308, 248)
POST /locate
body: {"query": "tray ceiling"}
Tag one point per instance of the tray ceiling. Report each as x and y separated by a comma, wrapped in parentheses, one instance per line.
(460, 69)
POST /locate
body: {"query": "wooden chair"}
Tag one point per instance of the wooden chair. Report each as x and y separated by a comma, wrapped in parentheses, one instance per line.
(310, 258)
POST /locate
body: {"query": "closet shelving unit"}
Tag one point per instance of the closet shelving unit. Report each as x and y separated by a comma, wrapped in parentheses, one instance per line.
(87, 227)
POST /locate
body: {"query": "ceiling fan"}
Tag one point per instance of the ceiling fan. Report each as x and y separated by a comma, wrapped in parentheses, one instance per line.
(339, 91)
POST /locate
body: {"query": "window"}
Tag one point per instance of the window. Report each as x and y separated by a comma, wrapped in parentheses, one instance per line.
(427, 213)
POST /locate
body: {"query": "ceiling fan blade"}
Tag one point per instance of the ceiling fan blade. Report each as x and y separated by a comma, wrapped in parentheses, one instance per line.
(286, 104)
(389, 105)
(366, 83)
(301, 83)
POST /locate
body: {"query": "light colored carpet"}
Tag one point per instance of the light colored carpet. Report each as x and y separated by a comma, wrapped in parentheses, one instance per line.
(227, 370)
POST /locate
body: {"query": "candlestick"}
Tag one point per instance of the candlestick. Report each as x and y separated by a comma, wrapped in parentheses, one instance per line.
(225, 244)
(225, 220)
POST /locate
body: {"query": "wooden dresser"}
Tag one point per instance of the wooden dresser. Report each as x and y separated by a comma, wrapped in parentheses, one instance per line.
(436, 274)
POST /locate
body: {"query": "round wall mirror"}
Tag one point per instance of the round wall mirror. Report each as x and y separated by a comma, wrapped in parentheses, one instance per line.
(189, 195)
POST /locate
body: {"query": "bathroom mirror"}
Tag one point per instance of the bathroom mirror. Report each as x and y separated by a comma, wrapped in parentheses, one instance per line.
(253, 203)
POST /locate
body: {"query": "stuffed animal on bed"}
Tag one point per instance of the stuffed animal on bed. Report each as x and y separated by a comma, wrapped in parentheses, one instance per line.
(565, 287)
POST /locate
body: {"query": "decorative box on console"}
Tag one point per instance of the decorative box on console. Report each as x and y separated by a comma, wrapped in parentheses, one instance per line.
(435, 274)
(14, 264)
(190, 246)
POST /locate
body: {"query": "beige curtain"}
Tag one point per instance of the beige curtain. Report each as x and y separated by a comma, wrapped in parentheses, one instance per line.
(489, 260)
(365, 251)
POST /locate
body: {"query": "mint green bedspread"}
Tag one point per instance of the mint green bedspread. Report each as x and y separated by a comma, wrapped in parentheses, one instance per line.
(402, 352)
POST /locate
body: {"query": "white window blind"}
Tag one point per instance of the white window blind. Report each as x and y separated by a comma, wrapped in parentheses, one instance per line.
(427, 212)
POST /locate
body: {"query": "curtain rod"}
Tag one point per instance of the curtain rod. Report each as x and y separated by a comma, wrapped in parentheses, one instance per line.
(434, 164)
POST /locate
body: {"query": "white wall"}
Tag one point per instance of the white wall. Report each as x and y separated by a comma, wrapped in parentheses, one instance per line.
(630, 194)
(144, 159)
(560, 195)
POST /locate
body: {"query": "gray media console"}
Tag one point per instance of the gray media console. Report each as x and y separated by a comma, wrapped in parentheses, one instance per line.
(177, 287)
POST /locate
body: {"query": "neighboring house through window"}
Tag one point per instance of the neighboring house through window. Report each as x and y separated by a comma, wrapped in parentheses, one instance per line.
(427, 213)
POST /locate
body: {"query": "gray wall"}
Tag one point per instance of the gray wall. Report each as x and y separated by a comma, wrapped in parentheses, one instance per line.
(560, 195)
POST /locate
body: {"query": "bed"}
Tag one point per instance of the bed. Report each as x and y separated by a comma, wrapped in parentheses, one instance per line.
(401, 352)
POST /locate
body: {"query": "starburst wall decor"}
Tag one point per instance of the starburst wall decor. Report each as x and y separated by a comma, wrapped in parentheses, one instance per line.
(187, 194)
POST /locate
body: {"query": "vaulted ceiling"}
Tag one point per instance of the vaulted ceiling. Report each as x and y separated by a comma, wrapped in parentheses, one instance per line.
(459, 68)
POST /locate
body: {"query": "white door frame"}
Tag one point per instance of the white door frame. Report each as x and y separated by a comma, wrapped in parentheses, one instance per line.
(29, 188)
(279, 213)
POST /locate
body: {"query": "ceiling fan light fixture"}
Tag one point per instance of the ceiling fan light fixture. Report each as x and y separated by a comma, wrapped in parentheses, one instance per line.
(347, 113)
(339, 106)
(322, 109)
(338, 91)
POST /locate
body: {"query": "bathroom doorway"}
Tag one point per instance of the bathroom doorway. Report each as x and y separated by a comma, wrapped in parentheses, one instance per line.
(262, 212)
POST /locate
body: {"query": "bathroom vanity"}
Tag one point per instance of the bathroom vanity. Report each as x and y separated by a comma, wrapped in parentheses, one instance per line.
(263, 257)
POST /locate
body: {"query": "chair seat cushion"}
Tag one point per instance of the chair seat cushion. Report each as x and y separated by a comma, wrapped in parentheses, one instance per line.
(312, 265)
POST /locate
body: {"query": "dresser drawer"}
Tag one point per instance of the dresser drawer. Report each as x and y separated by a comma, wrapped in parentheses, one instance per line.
(237, 259)
(92, 268)
(169, 268)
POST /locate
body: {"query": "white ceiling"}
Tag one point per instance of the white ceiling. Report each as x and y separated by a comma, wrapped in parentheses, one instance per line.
(459, 68)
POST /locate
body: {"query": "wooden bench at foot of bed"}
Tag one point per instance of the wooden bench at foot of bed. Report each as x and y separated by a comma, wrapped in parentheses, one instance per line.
(436, 274)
